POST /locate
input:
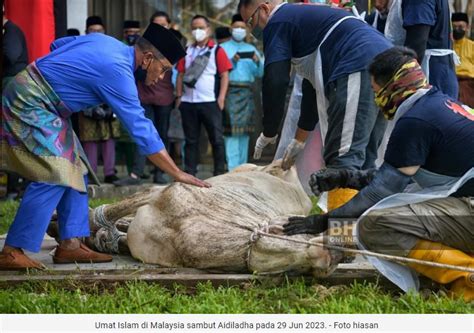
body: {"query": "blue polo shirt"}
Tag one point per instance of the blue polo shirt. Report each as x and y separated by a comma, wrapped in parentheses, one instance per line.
(437, 133)
(434, 13)
(89, 70)
(296, 30)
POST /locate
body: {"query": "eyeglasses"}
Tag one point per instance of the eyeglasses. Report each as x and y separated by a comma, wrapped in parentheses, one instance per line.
(164, 68)
(250, 20)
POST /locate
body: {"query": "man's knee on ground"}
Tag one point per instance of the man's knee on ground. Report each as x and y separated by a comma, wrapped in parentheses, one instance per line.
(369, 232)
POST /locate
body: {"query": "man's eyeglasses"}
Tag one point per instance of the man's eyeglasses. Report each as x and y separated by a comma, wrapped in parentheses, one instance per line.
(250, 20)
(164, 68)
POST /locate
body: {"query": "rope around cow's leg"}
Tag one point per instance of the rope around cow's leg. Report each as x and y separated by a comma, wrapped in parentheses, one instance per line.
(110, 242)
(371, 254)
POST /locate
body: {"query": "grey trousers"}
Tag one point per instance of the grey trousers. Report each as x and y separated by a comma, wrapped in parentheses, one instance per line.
(395, 231)
(355, 125)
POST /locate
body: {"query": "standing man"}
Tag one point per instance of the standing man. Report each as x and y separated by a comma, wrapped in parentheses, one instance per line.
(125, 146)
(432, 144)
(38, 142)
(201, 88)
(97, 126)
(428, 32)
(330, 49)
(378, 18)
(15, 53)
(464, 48)
(131, 31)
(15, 59)
(239, 109)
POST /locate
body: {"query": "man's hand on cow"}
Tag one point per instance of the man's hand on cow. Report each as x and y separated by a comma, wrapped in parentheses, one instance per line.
(291, 153)
(261, 143)
(186, 178)
(327, 179)
(313, 224)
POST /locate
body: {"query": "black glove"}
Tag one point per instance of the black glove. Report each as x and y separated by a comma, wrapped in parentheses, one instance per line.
(313, 224)
(328, 179)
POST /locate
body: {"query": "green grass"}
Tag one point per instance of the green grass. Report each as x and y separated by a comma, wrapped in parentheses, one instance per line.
(8, 210)
(291, 297)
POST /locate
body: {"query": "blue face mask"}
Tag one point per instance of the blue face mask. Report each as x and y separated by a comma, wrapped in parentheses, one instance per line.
(132, 39)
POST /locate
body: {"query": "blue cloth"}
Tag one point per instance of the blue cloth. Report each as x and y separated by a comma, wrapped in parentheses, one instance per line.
(296, 31)
(437, 133)
(244, 70)
(381, 21)
(435, 13)
(93, 69)
(236, 150)
(35, 211)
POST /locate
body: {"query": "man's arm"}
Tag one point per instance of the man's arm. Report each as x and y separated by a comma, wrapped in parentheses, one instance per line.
(417, 39)
(224, 85)
(387, 181)
(309, 110)
(276, 78)
(179, 88)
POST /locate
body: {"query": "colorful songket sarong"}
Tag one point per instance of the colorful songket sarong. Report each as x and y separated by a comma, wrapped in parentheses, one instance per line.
(239, 109)
(36, 136)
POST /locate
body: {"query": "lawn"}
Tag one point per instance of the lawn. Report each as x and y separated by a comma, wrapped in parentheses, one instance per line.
(139, 297)
(290, 297)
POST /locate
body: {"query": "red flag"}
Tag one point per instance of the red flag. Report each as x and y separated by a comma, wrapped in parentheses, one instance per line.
(36, 19)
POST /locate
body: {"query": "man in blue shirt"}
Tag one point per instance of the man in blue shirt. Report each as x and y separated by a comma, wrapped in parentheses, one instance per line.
(330, 48)
(432, 143)
(428, 32)
(247, 65)
(37, 140)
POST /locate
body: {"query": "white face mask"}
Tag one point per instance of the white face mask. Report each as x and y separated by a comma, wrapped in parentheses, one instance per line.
(199, 35)
(239, 34)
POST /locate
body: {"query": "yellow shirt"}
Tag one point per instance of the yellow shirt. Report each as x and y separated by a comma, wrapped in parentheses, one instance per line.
(465, 50)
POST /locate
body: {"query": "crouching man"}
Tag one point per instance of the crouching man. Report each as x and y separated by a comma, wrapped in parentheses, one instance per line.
(432, 144)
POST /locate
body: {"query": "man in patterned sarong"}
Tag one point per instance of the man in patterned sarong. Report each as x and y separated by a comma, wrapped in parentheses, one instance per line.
(38, 143)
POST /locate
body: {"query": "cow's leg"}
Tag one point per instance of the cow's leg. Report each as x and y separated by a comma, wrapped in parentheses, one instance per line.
(106, 215)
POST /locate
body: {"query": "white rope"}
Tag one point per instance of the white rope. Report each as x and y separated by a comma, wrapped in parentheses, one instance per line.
(113, 235)
(371, 254)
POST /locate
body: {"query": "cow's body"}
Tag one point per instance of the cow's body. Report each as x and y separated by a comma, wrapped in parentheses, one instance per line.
(214, 229)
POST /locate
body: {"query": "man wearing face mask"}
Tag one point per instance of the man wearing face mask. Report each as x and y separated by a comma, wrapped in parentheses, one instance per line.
(330, 49)
(131, 31)
(37, 140)
(97, 126)
(247, 65)
(125, 147)
(432, 144)
(201, 88)
(464, 48)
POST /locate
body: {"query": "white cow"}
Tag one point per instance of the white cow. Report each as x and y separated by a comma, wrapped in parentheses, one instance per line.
(214, 229)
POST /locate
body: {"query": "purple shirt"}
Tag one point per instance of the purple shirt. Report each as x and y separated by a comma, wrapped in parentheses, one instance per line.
(161, 93)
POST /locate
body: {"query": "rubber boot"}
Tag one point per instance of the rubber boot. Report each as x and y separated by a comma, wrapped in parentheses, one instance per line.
(462, 283)
(339, 197)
